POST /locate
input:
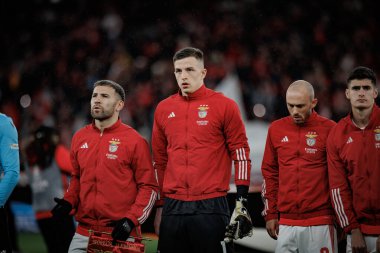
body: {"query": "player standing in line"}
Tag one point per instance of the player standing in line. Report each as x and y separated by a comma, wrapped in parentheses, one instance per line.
(197, 133)
(297, 206)
(9, 174)
(113, 187)
(354, 164)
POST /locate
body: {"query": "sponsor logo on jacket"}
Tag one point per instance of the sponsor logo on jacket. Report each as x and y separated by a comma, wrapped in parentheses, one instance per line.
(14, 146)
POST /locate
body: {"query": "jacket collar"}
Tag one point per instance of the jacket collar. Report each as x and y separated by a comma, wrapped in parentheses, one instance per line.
(311, 118)
(201, 92)
(375, 112)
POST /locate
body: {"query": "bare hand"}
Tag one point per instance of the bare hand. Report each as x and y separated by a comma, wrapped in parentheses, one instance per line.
(157, 220)
(357, 241)
(272, 228)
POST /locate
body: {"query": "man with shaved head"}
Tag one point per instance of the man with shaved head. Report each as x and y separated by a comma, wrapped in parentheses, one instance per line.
(297, 206)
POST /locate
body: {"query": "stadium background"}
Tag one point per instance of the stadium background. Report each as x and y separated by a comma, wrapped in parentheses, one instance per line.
(53, 51)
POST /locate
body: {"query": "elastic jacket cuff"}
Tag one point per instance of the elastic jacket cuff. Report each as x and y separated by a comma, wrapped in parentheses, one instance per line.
(271, 216)
(351, 227)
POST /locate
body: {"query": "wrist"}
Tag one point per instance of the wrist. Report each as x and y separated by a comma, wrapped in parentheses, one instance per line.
(356, 231)
(242, 192)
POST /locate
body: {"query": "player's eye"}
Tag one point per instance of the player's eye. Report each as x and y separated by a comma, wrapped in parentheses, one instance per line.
(367, 87)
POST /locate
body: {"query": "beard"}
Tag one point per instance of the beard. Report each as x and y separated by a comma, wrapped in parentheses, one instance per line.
(101, 114)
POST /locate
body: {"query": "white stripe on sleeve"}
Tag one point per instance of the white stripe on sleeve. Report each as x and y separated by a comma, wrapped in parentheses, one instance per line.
(148, 208)
(338, 204)
(243, 164)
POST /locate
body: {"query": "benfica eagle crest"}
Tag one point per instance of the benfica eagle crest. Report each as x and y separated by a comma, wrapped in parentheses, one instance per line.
(311, 138)
(202, 111)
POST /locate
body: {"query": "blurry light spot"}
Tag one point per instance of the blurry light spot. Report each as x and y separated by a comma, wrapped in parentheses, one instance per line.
(25, 101)
(259, 110)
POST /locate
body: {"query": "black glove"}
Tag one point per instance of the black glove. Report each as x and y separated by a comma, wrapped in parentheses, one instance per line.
(241, 223)
(122, 229)
(62, 208)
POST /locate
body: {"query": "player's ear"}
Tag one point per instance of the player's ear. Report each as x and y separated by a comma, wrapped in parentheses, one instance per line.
(347, 93)
(314, 103)
(204, 72)
(376, 93)
(119, 105)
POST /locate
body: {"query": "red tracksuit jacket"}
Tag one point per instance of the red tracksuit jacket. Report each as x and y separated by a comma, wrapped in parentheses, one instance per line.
(294, 168)
(113, 176)
(194, 141)
(354, 173)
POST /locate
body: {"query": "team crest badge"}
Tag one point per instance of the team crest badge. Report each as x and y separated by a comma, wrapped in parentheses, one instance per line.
(113, 145)
(311, 138)
(377, 133)
(202, 111)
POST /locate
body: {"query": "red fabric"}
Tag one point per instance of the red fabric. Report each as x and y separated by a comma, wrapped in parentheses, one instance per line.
(43, 215)
(194, 141)
(100, 242)
(113, 175)
(294, 168)
(354, 172)
(87, 230)
(315, 221)
(62, 157)
(370, 230)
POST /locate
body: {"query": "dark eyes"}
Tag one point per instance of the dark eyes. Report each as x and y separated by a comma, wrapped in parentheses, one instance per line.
(357, 88)
(298, 106)
(102, 95)
(179, 70)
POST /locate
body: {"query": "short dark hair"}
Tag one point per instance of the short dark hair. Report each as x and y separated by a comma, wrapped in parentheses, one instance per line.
(117, 87)
(188, 52)
(361, 73)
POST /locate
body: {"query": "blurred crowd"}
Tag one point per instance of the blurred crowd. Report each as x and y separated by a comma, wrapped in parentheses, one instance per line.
(52, 51)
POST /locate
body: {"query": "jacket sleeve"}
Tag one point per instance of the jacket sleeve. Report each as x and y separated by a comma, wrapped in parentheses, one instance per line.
(340, 192)
(72, 194)
(160, 155)
(145, 181)
(9, 159)
(270, 171)
(237, 143)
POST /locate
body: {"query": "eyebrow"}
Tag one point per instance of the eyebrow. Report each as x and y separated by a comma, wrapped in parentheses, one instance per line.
(186, 68)
(358, 87)
(298, 105)
(100, 94)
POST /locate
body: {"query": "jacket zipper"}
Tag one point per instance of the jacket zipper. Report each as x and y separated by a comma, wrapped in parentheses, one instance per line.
(367, 170)
(96, 172)
(298, 165)
(186, 144)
